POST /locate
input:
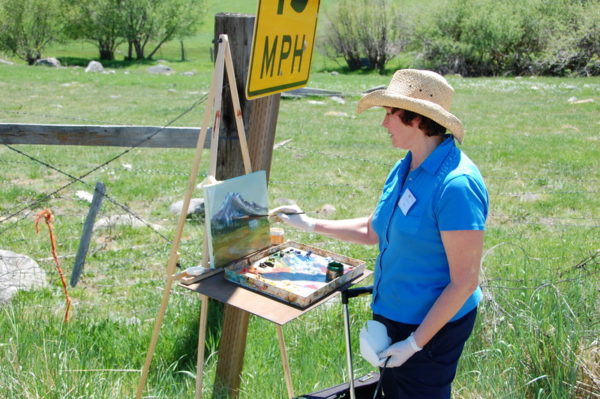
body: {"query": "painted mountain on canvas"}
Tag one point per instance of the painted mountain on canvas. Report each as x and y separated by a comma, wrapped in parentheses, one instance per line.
(235, 212)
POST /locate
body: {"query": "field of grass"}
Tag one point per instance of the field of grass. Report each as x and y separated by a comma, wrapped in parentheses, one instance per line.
(536, 143)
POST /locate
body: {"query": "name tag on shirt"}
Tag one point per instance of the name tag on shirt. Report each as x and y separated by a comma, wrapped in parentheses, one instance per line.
(406, 201)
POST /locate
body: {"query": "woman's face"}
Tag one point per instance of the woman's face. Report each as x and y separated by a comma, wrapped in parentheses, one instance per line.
(402, 135)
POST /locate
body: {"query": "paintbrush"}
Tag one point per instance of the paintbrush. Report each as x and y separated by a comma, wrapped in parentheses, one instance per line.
(267, 215)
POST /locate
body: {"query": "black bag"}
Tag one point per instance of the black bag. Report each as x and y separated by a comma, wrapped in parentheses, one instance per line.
(364, 388)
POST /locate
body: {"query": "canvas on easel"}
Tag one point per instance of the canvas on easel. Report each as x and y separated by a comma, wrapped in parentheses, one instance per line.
(238, 235)
(236, 218)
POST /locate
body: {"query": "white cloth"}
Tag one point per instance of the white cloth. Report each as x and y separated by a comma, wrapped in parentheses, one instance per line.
(373, 340)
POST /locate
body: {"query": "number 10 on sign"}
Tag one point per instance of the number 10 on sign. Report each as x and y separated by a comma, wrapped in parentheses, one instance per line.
(284, 35)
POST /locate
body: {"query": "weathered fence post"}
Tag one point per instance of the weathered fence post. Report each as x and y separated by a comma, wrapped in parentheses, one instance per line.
(260, 120)
(86, 235)
(260, 115)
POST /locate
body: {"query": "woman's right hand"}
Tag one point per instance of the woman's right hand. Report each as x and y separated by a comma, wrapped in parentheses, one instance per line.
(294, 216)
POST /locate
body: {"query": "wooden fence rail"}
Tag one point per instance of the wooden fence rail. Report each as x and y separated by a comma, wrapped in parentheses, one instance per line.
(99, 135)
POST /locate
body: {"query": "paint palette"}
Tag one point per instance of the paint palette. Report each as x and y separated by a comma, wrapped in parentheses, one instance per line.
(292, 272)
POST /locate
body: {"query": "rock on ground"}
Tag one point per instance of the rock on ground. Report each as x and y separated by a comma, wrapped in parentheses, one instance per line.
(19, 272)
(196, 207)
(326, 210)
(160, 70)
(94, 66)
(122, 220)
(50, 61)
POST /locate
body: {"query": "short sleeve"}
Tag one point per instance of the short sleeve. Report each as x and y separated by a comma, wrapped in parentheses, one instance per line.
(462, 205)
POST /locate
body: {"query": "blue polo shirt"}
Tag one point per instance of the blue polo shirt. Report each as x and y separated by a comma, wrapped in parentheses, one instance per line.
(446, 192)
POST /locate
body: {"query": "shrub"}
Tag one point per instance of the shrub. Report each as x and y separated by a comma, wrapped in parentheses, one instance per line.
(574, 44)
(28, 26)
(364, 33)
(480, 37)
(488, 38)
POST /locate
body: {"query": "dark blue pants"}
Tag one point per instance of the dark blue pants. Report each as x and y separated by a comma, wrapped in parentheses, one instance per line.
(428, 374)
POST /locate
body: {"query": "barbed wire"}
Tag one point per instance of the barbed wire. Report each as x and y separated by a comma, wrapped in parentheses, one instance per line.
(330, 155)
(74, 179)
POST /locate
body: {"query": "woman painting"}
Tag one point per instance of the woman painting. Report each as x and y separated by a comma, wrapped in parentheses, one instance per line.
(429, 225)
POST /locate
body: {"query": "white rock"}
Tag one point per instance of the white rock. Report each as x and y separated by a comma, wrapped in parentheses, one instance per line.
(338, 100)
(84, 195)
(196, 207)
(50, 61)
(327, 210)
(19, 272)
(160, 70)
(336, 113)
(94, 66)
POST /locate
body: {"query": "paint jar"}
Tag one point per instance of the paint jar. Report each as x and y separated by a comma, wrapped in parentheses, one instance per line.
(334, 270)
(276, 235)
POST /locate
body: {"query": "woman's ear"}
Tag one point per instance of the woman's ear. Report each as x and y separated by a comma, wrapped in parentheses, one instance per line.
(416, 122)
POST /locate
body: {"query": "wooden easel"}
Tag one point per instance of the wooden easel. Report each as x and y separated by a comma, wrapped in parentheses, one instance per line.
(213, 108)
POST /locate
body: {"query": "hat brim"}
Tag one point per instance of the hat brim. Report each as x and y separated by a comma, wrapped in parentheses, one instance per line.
(433, 111)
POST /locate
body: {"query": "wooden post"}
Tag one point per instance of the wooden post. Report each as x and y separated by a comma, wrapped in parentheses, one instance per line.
(260, 115)
(260, 120)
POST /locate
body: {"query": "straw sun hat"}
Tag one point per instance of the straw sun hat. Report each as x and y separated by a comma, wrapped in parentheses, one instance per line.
(424, 92)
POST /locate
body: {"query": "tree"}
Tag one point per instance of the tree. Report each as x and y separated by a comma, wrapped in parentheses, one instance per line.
(364, 32)
(28, 26)
(99, 21)
(159, 21)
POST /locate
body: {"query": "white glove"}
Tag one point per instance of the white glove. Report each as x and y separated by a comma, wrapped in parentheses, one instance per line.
(373, 339)
(294, 216)
(399, 352)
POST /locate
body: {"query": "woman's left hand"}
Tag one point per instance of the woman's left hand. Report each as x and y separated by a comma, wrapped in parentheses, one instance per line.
(399, 352)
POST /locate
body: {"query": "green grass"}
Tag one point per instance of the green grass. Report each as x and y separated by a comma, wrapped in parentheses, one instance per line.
(536, 336)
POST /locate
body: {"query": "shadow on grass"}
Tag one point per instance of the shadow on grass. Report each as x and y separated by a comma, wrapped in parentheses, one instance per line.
(114, 64)
(185, 352)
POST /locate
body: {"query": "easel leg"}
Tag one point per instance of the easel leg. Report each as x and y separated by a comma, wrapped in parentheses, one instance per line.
(216, 86)
(201, 345)
(286, 365)
(239, 121)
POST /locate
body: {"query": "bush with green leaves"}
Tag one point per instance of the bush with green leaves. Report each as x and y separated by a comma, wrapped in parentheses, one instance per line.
(159, 21)
(574, 43)
(480, 37)
(366, 34)
(101, 22)
(110, 23)
(28, 26)
(490, 38)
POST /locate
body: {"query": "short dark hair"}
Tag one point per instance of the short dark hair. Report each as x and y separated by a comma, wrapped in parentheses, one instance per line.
(428, 126)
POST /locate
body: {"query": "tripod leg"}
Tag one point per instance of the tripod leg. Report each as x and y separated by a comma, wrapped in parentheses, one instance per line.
(349, 351)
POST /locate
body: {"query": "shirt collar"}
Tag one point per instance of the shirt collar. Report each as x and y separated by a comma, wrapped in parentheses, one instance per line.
(433, 162)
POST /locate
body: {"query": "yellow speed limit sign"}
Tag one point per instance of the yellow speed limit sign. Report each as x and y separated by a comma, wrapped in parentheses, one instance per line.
(284, 35)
